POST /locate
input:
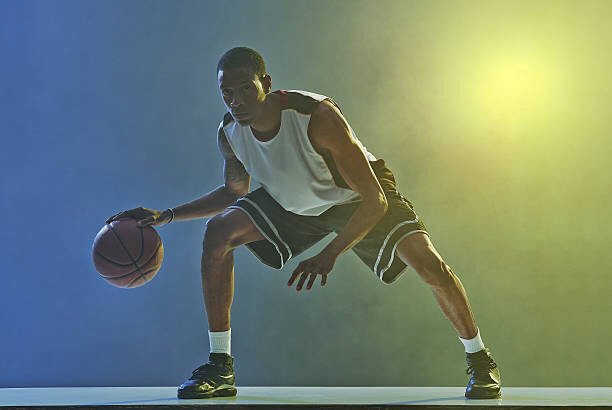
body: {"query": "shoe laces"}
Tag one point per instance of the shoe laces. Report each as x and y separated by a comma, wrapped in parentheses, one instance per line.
(480, 364)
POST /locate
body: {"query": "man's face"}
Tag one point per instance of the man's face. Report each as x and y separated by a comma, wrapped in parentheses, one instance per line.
(243, 93)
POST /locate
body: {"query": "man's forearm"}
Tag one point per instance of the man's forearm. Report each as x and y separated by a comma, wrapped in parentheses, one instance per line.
(206, 206)
(360, 223)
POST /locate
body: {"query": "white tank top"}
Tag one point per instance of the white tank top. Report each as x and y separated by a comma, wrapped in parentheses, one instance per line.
(300, 179)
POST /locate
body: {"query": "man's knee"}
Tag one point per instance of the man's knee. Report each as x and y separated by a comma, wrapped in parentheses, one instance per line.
(417, 251)
(218, 237)
(435, 272)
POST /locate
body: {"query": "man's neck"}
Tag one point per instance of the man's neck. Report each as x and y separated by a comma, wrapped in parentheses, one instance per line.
(270, 119)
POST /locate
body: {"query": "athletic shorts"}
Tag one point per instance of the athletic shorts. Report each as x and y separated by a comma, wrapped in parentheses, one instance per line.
(288, 234)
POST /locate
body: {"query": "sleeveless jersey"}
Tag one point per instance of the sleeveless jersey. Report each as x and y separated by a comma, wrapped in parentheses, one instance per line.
(300, 179)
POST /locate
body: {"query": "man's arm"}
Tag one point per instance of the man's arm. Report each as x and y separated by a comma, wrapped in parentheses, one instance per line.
(237, 179)
(329, 130)
(237, 182)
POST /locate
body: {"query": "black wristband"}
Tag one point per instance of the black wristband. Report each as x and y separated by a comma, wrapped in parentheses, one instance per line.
(172, 215)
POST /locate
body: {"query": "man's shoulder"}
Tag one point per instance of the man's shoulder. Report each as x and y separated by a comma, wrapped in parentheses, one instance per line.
(303, 94)
(304, 102)
(227, 118)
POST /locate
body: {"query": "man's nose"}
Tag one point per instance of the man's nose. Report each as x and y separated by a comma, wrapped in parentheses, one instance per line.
(236, 101)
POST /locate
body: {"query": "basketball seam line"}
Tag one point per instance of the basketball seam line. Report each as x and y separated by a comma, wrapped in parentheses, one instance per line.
(128, 252)
(130, 273)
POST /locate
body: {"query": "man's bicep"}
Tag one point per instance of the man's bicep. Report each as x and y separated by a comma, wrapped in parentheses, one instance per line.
(356, 171)
(333, 134)
(224, 146)
(237, 179)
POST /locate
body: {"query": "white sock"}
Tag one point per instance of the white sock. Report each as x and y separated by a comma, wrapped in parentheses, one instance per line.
(473, 345)
(220, 342)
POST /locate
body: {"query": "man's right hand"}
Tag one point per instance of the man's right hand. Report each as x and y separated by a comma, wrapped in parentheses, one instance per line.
(144, 216)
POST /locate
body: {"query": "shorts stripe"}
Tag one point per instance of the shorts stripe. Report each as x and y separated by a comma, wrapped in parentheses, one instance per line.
(265, 227)
(263, 232)
(382, 272)
(270, 224)
(385, 249)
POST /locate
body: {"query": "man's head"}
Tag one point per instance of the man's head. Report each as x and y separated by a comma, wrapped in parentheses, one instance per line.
(244, 83)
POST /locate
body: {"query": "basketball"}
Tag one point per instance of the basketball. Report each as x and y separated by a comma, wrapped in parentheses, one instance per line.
(127, 255)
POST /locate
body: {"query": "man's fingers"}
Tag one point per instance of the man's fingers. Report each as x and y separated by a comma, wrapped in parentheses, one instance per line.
(144, 222)
(313, 276)
(112, 218)
(295, 274)
(305, 269)
(302, 280)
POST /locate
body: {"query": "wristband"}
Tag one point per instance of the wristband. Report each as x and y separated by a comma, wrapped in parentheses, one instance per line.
(172, 215)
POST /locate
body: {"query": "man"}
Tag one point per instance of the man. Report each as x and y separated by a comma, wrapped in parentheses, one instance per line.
(316, 178)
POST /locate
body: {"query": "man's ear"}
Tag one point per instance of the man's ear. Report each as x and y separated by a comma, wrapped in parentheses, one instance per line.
(266, 82)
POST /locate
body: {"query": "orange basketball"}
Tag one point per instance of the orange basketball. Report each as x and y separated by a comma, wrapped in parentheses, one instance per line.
(127, 255)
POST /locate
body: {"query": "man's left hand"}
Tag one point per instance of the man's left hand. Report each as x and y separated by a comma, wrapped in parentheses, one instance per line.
(320, 264)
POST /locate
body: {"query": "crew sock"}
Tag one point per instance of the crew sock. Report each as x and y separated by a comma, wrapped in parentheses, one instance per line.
(473, 345)
(220, 342)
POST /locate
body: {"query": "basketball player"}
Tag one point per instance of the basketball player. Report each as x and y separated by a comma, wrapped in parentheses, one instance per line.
(316, 178)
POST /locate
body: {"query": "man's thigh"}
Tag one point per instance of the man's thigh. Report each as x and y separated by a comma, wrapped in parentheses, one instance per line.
(418, 251)
(232, 227)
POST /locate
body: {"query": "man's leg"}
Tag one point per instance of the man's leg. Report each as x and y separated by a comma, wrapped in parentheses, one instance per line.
(416, 250)
(224, 233)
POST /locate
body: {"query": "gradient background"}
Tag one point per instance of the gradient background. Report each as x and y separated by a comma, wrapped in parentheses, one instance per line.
(494, 116)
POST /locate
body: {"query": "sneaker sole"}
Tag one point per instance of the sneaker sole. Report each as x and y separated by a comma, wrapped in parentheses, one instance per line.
(222, 391)
(484, 396)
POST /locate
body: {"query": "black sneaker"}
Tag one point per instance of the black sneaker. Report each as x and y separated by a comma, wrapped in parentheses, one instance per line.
(485, 382)
(215, 378)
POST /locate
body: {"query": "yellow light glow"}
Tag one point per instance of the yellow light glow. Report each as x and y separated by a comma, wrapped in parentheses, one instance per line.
(515, 87)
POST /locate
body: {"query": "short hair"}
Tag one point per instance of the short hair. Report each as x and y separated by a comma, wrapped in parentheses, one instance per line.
(239, 57)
